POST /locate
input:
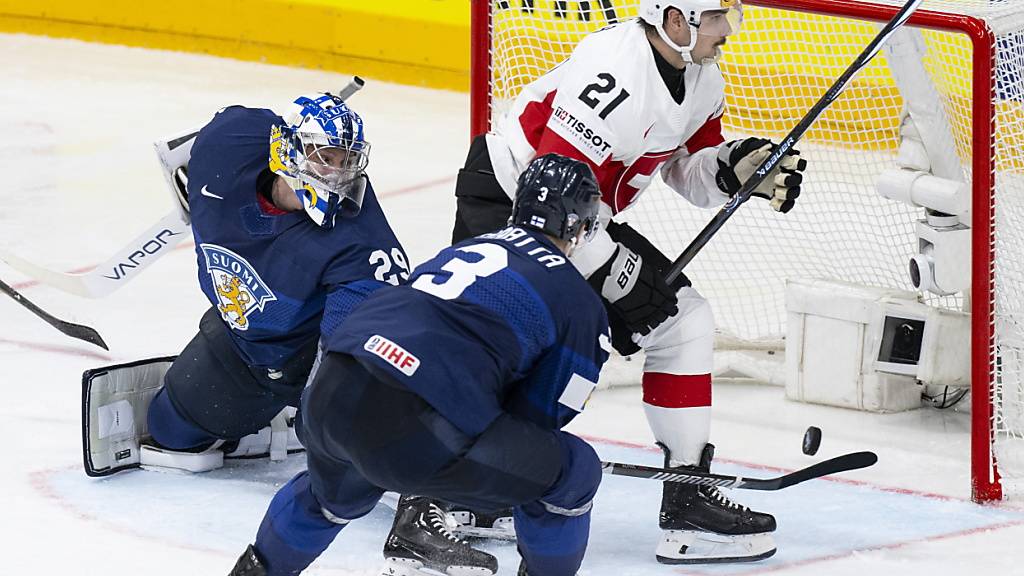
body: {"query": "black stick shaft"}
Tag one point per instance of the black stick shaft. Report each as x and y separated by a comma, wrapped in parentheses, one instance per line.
(789, 141)
(844, 463)
(73, 330)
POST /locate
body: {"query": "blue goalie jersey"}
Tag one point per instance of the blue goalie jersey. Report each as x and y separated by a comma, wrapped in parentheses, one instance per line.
(499, 323)
(270, 273)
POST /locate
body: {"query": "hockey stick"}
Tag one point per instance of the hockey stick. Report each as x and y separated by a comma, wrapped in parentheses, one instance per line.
(119, 269)
(789, 141)
(852, 461)
(133, 258)
(74, 330)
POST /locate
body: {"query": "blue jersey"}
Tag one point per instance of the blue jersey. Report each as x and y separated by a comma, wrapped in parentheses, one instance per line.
(272, 274)
(499, 323)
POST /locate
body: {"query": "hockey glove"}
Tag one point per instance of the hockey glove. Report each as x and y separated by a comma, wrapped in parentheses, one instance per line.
(738, 159)
(635, 290)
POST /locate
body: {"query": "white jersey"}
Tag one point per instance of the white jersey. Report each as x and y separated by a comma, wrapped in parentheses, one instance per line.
(608, 105)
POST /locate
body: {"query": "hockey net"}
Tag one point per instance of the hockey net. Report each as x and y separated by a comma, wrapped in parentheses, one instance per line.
(785, 57)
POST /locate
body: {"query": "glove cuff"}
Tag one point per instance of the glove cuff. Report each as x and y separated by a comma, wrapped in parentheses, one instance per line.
(622, 275)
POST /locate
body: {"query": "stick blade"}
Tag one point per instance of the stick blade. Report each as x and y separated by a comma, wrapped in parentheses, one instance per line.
(83, 333)
(844, 463)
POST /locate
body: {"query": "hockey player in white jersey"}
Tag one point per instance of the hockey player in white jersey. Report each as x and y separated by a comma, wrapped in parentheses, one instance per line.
(635, 99)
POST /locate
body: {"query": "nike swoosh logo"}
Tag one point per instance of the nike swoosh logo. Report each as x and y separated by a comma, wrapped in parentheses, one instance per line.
(206, 192)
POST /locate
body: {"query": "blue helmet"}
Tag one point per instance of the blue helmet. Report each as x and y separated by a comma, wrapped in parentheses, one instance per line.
(558, 196)
(322, 153)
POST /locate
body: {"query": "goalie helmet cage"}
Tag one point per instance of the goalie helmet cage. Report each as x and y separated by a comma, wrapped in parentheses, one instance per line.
(785, 57)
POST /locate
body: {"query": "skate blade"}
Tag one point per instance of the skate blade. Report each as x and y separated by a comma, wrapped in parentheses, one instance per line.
(692, 547)
(410, 567)
(507, 533)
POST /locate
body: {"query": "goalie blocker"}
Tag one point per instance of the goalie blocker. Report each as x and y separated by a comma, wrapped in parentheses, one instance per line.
(115, 431)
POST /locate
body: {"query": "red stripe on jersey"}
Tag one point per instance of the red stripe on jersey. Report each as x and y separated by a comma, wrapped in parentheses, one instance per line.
(534, 120)
(677, 390)
(631, 180)
(708, 135)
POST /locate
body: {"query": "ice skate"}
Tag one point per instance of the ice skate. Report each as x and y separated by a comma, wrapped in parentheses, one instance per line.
(701, 525)
(421, 541)
(477, 524)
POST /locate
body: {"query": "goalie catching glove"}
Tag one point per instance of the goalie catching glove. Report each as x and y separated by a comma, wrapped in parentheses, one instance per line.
(737, 161)
(635, 289)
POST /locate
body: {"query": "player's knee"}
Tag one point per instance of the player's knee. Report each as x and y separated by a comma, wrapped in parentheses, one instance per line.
(575, 488)
(696, 317)
(692, 325)
(170, 428)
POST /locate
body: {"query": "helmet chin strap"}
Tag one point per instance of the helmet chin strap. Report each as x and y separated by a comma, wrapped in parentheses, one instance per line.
(683, 51)
(686, 52)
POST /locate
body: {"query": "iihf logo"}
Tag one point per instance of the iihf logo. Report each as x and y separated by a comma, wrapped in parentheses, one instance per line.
(393, 354)
(239, 289)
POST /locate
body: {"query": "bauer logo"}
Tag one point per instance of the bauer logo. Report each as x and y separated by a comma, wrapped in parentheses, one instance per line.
(393, 354)
(238, 289)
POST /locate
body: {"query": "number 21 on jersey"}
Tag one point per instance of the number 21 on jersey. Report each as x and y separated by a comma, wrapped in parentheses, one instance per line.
(492, 259)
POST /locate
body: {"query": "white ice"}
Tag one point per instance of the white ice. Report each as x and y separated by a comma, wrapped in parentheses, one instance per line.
(80, 180)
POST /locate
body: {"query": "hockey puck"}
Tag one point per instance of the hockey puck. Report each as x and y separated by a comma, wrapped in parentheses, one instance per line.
(812, 439)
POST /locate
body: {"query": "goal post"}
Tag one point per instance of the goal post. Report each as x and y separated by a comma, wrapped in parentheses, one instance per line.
(785, 57)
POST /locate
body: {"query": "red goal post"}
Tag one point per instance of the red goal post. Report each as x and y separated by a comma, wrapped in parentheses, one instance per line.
(509, 51)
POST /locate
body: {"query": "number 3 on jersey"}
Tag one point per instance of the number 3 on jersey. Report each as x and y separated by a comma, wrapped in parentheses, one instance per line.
(493, 258)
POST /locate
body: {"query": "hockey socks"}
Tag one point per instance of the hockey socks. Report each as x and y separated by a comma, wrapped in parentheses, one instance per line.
(297, 529)
(678, 409)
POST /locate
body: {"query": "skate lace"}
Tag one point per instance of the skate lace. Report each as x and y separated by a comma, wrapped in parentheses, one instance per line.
(438, 520)
(721, 499)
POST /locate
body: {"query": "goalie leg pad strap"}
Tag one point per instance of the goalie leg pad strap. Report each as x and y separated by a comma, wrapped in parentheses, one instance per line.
(278, 440)
(115, 401)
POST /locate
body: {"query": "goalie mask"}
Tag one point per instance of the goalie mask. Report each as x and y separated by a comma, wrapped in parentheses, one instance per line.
(558, 196)
(322, 154)
(704, 17)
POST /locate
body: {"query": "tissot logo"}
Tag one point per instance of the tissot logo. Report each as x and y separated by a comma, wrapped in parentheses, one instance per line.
(587, 140)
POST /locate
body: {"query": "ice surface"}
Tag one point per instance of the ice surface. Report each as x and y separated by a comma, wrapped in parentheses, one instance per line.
(80, 179)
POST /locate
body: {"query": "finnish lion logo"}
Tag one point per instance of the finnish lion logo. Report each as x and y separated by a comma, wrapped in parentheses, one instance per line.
(239, 290)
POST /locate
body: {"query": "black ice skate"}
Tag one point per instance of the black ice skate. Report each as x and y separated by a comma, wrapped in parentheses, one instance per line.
(249, 564)
(421, 538)
(701, 525)
(478, 524)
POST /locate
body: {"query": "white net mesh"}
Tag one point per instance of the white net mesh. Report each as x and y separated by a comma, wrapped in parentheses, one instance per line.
(841, 228)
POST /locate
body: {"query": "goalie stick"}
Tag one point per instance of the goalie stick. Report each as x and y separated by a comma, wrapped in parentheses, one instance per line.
(115, 272)
(844, 463)
(140, 253)
(789, 141)
(74, 330)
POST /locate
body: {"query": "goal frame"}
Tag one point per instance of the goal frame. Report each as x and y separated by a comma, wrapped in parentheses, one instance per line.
(985, 479)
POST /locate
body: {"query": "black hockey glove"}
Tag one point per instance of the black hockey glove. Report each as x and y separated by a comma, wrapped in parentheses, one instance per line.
(635, 290)
(738, 159)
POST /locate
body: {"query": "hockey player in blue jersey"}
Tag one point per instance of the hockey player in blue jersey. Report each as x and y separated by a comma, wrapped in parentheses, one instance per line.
(278, 243)
(255, 180)
(456, 385)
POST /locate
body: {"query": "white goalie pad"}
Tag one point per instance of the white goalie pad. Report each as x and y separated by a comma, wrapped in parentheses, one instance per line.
(277, 440)
(115, 400)
(174, 154)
